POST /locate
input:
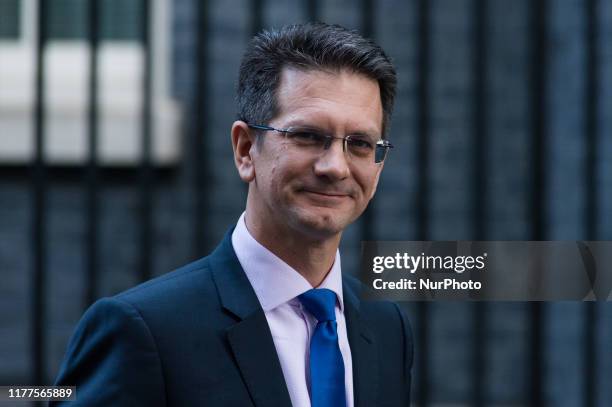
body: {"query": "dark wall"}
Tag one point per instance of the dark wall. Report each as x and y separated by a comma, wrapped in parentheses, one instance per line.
(502, 131)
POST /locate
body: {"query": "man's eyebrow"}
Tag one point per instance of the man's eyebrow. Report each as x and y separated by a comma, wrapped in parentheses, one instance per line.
(301, 125)
(362, 133)
(306, 126)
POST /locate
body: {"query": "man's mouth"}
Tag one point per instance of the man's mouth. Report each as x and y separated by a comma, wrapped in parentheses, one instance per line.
(328, 195)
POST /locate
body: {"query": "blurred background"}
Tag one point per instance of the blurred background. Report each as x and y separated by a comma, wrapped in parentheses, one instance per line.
(116, 166)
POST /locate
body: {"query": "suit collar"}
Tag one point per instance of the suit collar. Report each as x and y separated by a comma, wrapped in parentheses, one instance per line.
(274, 281)
(235, 291)
(250, 338)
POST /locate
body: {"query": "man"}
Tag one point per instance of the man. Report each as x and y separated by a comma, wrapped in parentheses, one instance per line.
(244, 326)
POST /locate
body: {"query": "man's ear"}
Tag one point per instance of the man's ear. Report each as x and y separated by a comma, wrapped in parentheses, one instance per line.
(243, 142)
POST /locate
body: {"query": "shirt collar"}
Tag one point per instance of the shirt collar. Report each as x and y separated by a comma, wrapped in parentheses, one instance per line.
(273, 280)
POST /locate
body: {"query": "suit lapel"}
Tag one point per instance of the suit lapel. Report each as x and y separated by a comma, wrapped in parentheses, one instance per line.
(250, 338)
(256, 355)
(363, 350)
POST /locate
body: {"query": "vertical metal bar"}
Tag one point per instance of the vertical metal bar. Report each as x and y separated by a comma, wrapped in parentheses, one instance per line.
(539, 69)
(367, 30)
(479, 171)
(480, 119)
(479, 352)
(368, 17)
(39, 229)
(591, 118)
(423, 129)
(423, 196)
(592, 199)
(92, 181)
(146, 171)
(201, 132)
(535, 357)
(312, 10)
(256, 26)
(256, 16)
(422, 345)
(590, 330)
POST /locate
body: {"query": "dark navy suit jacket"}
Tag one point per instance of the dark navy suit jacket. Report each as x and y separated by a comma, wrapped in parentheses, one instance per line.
(198, 336)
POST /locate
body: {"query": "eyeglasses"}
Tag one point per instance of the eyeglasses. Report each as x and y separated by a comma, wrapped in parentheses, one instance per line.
(360, 147)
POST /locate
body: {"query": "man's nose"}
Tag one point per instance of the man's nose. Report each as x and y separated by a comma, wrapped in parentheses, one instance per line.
(333, 162)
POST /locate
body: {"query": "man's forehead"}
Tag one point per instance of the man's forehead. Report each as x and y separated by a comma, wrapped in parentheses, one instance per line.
(321, 93)
(308, 81)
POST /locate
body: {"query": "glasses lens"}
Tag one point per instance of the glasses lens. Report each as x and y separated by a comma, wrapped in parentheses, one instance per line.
(359, 147)
(380, 153)
(307, 138)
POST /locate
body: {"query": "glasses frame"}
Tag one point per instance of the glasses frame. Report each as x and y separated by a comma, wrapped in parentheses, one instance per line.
(381, 143)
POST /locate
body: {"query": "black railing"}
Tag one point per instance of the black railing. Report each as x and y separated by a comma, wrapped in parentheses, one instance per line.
(39, 229)
(92, 181)
(199, 132)
(146, 170)
(367, 28)
(537, 196)
(479, 195)
(591, 130)
(423, 117)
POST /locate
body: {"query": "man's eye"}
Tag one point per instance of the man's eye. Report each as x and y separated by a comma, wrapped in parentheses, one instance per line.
(307, 137)
(359, 143)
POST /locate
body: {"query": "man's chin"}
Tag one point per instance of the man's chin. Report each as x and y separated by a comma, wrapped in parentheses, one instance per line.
(322, 223)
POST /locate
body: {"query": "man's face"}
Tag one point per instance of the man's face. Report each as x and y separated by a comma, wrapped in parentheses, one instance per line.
(316, 195)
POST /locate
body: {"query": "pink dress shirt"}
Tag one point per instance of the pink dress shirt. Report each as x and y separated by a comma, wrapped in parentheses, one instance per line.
(277, 286)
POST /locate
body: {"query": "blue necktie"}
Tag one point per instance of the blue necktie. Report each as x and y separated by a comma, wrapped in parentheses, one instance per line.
(326, 364)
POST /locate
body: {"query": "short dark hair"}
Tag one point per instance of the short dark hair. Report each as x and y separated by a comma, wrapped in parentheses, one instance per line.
(309, 46)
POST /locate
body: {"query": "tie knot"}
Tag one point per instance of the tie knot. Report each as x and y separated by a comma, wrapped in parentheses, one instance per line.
(321, 303)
